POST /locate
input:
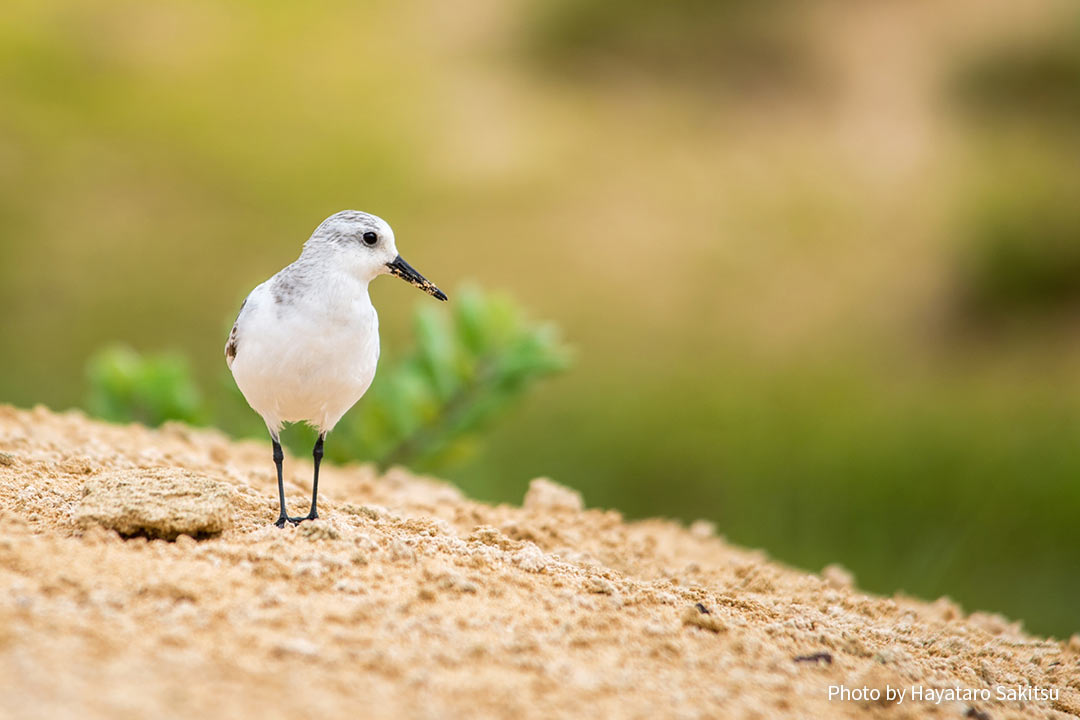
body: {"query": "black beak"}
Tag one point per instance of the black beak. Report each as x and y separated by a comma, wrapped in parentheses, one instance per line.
(408, 273)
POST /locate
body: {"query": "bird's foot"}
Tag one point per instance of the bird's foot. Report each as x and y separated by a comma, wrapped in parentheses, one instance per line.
(313, 514)
(280, 522)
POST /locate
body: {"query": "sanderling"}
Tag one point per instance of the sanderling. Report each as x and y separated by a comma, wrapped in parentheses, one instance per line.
(306, 342)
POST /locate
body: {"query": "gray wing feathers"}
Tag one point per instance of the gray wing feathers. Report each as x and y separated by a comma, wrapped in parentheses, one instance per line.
(233, 343)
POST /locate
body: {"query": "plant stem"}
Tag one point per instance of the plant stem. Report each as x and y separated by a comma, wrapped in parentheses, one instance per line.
(411, 446)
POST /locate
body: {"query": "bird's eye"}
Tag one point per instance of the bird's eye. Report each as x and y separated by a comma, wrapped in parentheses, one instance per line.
(370, 238)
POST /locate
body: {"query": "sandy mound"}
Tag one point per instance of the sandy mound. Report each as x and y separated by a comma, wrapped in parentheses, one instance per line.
(407, 600)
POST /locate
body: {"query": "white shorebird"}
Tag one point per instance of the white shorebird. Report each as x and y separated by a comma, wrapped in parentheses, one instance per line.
(306, 342)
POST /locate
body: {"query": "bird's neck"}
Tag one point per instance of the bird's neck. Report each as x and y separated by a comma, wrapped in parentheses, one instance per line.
(341, 292)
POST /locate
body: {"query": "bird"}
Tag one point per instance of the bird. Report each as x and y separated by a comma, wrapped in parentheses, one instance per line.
(305, 344)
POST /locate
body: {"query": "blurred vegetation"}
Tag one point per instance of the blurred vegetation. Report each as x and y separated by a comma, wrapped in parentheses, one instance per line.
(727, 41)
(1034, 79)
(762, 288)
(128, 387)
(1020, 223)
(1022, 254)
(427, 411)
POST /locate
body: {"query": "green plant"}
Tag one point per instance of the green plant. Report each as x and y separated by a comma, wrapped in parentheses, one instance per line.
(428, 410)
(128, 387)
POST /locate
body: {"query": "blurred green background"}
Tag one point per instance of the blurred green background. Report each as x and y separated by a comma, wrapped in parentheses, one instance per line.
(820, 262)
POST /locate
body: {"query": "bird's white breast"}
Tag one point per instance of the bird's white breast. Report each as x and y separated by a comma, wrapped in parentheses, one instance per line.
(306, 356)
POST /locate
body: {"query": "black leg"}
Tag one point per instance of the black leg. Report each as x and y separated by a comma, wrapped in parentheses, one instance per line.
(317, 453)
(278, 458)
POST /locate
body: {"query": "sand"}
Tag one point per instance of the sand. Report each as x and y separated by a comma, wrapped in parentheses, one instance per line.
(406, 600)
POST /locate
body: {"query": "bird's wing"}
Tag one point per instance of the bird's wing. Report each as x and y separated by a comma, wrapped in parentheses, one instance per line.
(233, 343)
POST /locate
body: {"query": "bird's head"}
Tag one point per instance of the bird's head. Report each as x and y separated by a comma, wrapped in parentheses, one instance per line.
(364, 245)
